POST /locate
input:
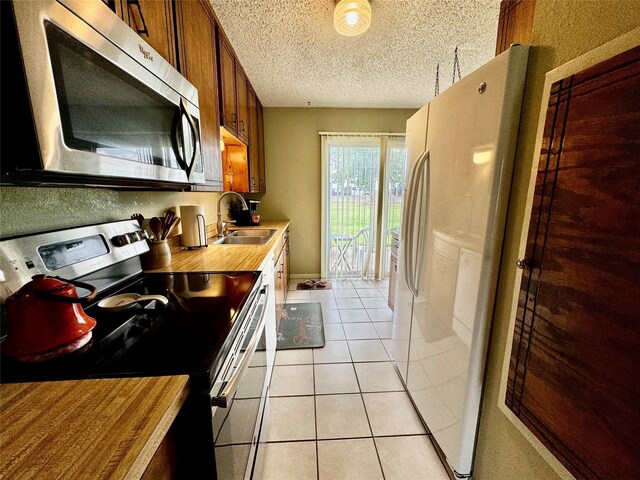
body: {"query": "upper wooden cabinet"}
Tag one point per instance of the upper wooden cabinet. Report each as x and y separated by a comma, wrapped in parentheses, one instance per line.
(261, 158)
(233, 90)
(198, 63)
(254, 148)
(152, 20)
(242, 104)
(515, 23)
(227, 82)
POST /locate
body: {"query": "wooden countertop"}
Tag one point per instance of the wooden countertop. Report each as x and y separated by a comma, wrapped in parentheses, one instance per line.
(98, 429)
(226, 257)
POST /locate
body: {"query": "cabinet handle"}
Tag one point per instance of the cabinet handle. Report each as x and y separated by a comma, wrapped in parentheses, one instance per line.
(242, 125)
(234, 117)
(253, 180)
(139, 31)
(279, 273)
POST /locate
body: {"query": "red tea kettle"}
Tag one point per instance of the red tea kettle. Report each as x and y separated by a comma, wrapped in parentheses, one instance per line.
(45, 319)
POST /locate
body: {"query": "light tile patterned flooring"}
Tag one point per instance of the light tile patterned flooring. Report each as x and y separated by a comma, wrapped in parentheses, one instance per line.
(340, 412)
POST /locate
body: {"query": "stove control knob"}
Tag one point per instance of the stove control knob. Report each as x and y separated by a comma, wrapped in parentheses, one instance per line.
(121, 240)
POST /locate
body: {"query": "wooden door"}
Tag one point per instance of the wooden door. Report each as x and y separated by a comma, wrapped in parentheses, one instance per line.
(575, 360)
(254, 150)
(261, 158)
(242, 107)
(227, 82)
(198, 63)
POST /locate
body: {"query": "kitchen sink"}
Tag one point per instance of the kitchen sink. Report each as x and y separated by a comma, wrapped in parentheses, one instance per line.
(257, 236)
(253, 232)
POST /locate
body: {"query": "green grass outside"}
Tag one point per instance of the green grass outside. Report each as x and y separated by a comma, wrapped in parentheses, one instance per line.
(348, 218)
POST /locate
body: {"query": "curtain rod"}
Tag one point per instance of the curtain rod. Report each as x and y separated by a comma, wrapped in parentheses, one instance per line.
(363, 134)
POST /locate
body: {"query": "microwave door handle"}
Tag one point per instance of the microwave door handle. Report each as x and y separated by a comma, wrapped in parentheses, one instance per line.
(177, 124)
(223, 399)
(195, 135)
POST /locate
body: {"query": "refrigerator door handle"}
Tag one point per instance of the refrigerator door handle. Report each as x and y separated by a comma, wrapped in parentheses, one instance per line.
(405, 220)
(410, 251)
(424, 184)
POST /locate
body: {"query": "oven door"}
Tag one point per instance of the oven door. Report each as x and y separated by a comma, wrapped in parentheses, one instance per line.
(238, 398)
(104, 103)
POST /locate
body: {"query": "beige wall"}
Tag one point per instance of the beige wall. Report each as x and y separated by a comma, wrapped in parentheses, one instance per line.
(292, 146)
(562, 30)
(26, 210)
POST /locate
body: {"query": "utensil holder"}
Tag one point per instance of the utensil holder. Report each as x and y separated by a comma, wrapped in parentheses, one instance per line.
(159, 255)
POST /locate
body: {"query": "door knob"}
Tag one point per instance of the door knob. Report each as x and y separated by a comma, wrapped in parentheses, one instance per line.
(522, 263)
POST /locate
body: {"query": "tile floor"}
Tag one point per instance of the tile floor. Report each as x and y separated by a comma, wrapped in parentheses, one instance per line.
(340, 412)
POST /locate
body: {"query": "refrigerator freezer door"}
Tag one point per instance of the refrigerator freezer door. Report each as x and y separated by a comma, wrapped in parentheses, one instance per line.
(471, 139)
(403, 300)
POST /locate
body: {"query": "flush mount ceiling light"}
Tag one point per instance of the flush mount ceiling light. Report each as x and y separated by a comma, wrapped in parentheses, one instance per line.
(351, 17)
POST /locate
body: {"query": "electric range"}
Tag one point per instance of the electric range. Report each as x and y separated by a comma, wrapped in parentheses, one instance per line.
(216, 327)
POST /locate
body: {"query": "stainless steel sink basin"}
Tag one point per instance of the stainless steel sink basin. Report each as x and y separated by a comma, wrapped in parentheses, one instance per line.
(253, 232)
(257, 236)
(240, 241)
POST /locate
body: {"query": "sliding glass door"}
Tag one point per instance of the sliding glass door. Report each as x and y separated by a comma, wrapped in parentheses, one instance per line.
(363, 181)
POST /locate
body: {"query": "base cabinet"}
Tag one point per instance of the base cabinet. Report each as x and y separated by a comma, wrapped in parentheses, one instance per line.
(282, 274)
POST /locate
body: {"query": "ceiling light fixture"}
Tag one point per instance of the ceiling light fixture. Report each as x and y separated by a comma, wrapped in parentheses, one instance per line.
(351, 17)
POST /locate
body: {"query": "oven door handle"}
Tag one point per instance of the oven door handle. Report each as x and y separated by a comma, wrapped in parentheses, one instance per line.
(230, 387)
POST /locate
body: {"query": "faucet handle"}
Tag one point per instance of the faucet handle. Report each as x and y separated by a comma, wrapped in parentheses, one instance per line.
(225, 226)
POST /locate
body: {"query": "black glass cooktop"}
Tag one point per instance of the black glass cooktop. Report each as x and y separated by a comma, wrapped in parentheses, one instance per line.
(188, 336)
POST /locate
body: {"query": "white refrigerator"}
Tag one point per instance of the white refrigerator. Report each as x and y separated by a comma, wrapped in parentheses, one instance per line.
(461, 148)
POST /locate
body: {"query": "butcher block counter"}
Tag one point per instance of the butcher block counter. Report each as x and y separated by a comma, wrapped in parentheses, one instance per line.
(223, 258)
(98, 429)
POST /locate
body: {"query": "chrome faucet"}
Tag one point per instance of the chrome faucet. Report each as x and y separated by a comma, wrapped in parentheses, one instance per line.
(220, 227)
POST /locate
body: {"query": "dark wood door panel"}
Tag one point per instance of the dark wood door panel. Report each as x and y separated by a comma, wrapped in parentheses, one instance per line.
(575, 358)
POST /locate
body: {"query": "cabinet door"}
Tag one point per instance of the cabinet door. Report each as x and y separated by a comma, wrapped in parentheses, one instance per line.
(227, 82)
(515, 23)
(261, 158)
(196, 33)
(286, 265)
(242, 104)
(254, 149)
(153, 21)
(575, 365)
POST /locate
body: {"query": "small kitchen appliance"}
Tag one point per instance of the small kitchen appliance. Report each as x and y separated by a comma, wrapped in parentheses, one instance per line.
(97, 104)
(245, 218)
(216, 327)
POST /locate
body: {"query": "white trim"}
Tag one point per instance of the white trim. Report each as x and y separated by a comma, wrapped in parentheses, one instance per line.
(614, 47)
(324, 206)
(305, 275)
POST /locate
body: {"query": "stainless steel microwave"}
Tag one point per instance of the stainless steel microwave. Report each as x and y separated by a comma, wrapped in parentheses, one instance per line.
(106, 109)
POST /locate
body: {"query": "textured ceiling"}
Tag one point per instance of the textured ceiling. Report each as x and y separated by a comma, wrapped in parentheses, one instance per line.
(295, 58)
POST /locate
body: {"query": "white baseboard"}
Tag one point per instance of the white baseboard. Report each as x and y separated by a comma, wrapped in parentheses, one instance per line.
(308, 276)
